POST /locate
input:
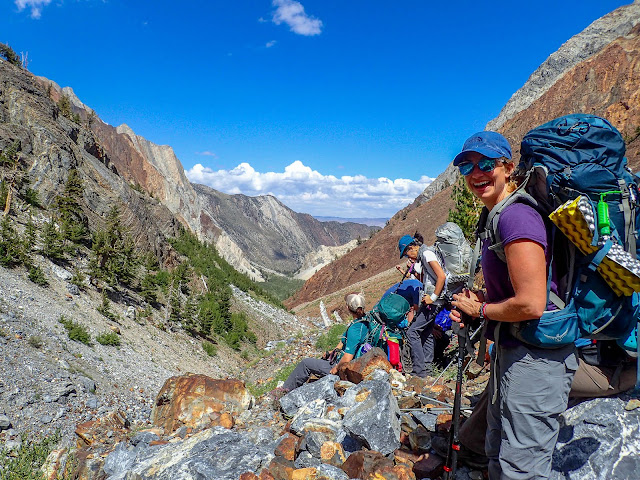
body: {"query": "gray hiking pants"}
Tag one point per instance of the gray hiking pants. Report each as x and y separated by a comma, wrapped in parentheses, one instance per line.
(522, 424)
(420, 337)
(306, 368)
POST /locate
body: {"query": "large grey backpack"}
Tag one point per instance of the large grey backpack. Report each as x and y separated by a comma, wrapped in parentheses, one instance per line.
(454, 252)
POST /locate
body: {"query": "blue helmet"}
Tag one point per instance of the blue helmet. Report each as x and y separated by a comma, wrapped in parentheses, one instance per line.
(404, 242)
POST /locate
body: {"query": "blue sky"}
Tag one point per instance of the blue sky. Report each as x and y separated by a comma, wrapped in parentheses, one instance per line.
(342, 108)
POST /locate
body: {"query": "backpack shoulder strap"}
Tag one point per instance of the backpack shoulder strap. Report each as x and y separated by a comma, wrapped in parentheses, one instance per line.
(490, 228)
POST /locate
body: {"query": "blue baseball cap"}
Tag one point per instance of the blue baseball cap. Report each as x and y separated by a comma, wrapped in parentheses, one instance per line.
(489, 144)
(404, 242)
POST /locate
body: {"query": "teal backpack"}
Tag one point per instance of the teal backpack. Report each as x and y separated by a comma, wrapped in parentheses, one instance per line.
(577, 161)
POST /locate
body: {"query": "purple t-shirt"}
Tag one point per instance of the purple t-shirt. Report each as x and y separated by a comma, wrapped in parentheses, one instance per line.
(517, 221)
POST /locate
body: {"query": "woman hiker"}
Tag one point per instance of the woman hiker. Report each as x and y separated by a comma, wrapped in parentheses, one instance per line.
(353, 337)
(420, 332)
(529, 385)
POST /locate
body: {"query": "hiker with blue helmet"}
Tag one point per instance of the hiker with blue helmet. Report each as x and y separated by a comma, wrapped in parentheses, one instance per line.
(420, 332)
(529, 385)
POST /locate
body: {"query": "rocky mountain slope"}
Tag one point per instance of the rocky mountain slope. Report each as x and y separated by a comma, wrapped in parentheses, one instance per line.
(596, 71)
(253, 234)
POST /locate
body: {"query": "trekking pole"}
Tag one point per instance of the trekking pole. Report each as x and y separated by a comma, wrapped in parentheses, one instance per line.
(473, 335)
(454, 442)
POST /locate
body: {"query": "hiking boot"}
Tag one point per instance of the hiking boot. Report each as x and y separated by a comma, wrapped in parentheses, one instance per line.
(274, 396)
(466, 456)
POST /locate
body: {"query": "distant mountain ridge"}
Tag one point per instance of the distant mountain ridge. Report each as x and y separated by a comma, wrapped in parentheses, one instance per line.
(373, 222)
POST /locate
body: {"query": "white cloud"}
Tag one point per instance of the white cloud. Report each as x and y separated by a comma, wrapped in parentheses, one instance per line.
(271, 43)
(308, 191)
(207, 153)
(292, 13)
(34, 5)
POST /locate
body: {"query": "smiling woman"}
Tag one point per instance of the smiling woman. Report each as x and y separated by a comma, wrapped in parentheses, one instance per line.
(529, 385)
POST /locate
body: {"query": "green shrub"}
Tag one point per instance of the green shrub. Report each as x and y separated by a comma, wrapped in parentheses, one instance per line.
(76, 331)
(329, 340)
(111, 339)
(36, 275)
(35, 341)
(210, 348)
(25, 463)
(105, 307)
(32, 197)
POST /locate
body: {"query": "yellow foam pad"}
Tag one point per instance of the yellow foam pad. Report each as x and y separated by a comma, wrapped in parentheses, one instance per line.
(577, 220)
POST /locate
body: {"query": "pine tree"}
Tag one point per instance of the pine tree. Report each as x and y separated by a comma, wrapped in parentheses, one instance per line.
(72, 221)
(11, 248)
(7, 52)
(175, 306)
(115, 258)
(52, 241)
(467, 209)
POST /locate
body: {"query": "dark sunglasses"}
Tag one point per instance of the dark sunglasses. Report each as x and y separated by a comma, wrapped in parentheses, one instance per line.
(486, 165)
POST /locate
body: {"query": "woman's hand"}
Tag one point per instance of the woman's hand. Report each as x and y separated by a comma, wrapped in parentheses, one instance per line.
(468, 302)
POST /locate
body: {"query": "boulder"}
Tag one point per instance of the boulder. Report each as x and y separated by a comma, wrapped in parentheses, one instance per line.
(362, 368)
(375, 419)
(199, 401)
(311, 411)
(287, 446)
(213, 454)
(365, 463)
(321, 389)
(598, 439)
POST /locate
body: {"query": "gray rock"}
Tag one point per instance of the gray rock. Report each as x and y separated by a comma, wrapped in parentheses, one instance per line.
(375, 420)
(46, 419)
(213, 454)
(306, 460)
(313, 441)
(263, 436)
(145, 438)
(321, 389)
(60, 272)
(73, 289)
(311, 411)
(88, 385)
(120, 460)
(428, 420)
(331, 473)
(92, 403)
(5, 423)
(60, 389)
(351, 444)
(599, 439)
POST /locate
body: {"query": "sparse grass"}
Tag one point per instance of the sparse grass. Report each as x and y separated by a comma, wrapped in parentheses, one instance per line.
(3, 332)
(25, 463)
(35, 341)
(329, 340)
(210, 348)
(76, 331)
(281, 375)
(111, 339)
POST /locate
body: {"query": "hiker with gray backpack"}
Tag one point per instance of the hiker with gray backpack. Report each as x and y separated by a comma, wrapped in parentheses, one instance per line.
(559, 258)
(443, 269)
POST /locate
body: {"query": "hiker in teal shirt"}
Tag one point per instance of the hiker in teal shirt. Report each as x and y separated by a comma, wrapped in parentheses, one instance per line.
(344, 352)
